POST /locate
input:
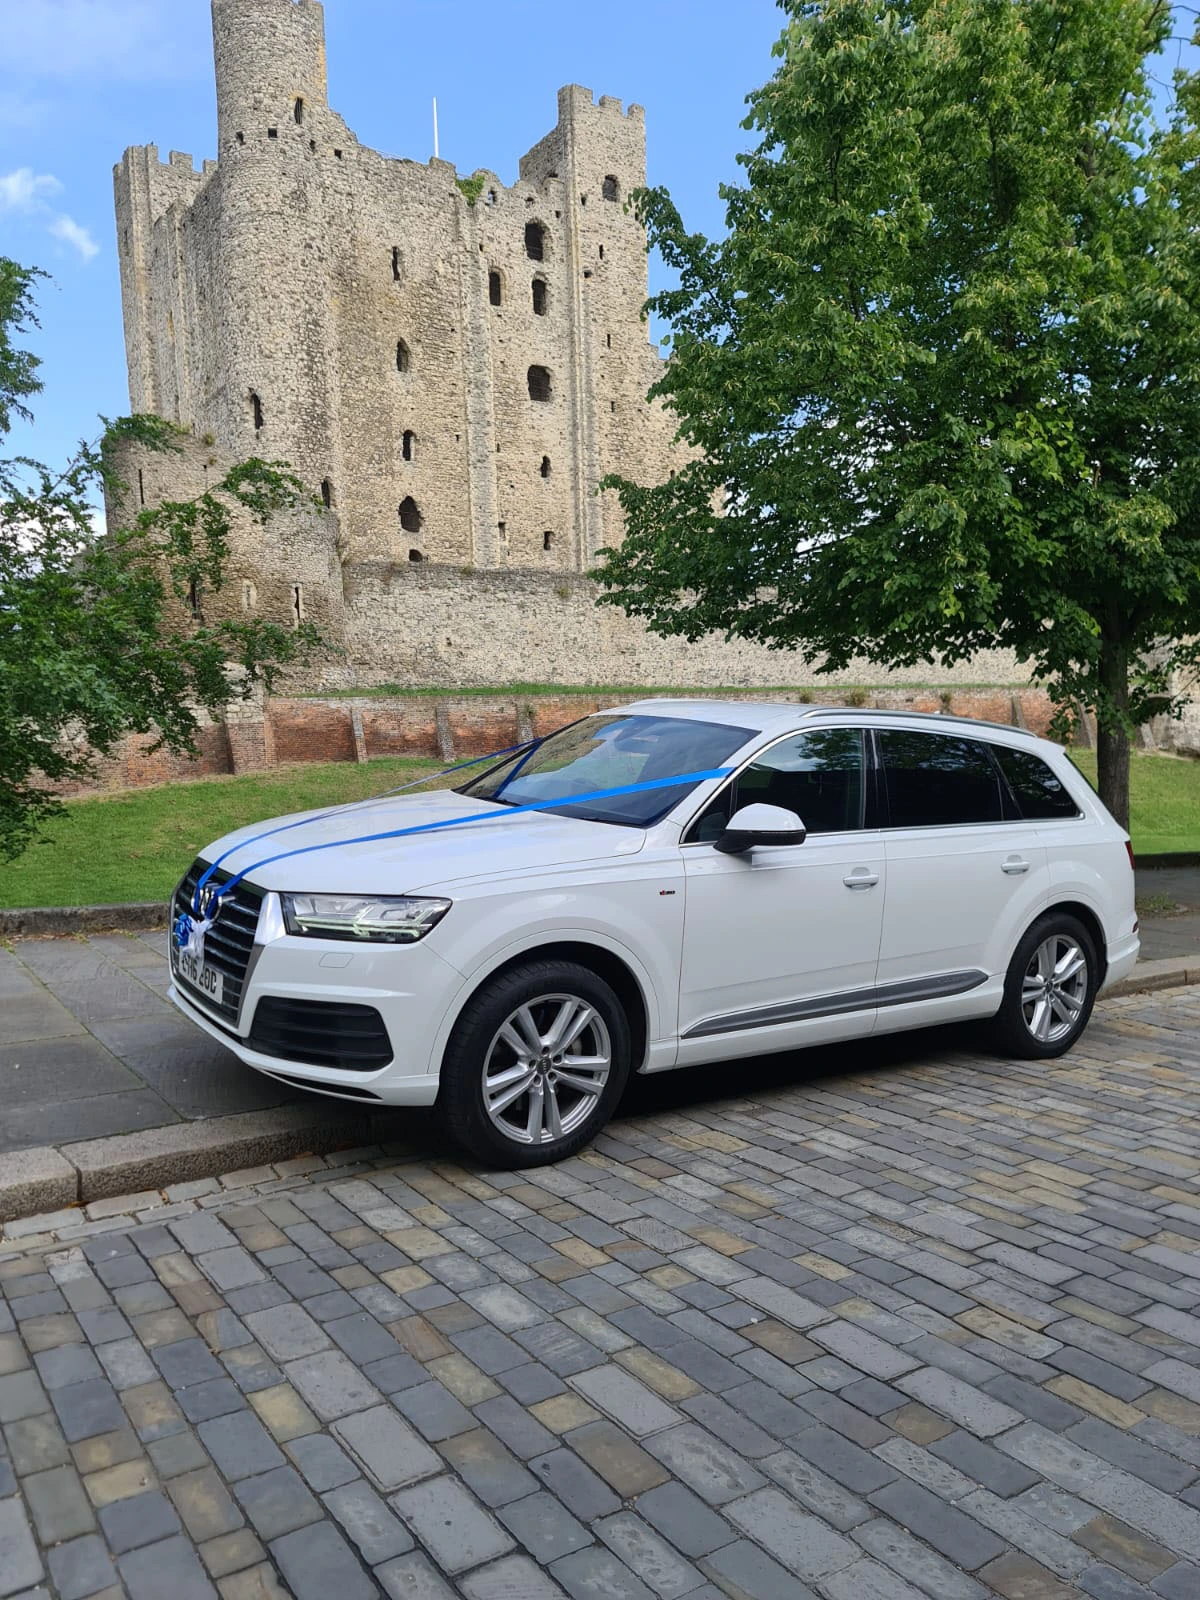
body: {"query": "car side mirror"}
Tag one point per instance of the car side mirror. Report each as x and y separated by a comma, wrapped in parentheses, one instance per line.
(759, 825)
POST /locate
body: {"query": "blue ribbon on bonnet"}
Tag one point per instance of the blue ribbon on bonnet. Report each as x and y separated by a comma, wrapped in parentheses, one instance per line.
(190, 928)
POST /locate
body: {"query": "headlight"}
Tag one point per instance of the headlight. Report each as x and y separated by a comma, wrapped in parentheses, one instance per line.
(387, 919)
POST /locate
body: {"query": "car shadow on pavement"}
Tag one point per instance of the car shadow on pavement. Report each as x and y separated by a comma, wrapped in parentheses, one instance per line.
(747, 1077)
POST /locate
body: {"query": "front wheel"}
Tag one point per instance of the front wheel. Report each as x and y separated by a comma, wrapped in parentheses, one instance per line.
(535, 1065)
(1050, 989)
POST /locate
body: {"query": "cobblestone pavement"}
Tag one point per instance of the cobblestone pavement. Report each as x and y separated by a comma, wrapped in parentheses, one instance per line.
(926, 1333)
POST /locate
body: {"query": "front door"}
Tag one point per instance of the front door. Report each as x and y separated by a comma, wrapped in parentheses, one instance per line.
(780, 945)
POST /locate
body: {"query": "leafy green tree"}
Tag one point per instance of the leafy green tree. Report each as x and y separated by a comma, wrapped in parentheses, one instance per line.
(101, 636)
(942, 377)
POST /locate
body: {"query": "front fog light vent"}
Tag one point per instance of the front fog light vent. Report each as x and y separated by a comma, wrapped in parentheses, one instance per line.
(320, 1033)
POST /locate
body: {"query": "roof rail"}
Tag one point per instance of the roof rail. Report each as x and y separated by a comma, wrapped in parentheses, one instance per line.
(920, 716)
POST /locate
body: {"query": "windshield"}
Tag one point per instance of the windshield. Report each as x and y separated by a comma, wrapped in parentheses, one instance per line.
(607, 752)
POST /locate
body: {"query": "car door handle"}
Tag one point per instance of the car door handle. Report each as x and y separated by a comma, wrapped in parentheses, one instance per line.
(861, 879)
(1014, 865)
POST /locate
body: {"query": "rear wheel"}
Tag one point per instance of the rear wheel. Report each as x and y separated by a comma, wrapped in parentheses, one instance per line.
(1050, 989)
(535, 1065)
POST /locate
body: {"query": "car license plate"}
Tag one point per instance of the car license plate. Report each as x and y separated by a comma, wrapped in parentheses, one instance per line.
(206, 979)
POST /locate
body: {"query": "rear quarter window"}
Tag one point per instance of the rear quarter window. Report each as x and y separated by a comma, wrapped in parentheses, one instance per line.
(1039, 792)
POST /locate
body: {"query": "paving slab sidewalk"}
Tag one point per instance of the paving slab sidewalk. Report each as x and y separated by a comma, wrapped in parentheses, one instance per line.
(1169, 902)
(90, 1046)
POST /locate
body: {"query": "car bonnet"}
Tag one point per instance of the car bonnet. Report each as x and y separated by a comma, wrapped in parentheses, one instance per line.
(324, 860)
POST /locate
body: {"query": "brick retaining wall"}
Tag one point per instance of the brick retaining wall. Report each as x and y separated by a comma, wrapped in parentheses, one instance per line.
(301, 729)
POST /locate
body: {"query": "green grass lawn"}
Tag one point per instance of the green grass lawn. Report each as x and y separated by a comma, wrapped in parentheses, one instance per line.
(135, 846)
(1164, 801)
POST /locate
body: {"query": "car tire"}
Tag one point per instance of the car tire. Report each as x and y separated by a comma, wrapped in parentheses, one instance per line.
(1049, 991)
(513, 1105)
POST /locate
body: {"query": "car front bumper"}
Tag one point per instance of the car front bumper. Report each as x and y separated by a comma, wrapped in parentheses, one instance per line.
(414, 992)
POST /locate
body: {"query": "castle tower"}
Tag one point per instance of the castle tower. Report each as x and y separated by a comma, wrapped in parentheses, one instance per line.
(268, 383)
(600, 152)
(270, 60)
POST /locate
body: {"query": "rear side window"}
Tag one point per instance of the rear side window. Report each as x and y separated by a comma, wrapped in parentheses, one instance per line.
(935, 780)
(1039, 794)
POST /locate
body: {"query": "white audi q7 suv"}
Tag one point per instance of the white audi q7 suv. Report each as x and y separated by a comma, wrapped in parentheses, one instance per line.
(511, 950)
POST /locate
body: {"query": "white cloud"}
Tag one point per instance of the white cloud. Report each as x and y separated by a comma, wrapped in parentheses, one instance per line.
(132, 40)
(27, 192)
(23, 191)
(71, 232)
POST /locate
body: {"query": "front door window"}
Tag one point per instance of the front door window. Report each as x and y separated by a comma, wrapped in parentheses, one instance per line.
(818, 775)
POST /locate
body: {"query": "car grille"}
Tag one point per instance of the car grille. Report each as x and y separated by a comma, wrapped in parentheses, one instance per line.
(228, 943)
(321, 1033)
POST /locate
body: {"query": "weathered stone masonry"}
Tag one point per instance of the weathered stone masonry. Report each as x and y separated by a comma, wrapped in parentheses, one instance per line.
(273, 299)
(455, 376)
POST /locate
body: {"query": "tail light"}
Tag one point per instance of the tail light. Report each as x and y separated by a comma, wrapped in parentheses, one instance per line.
(1129, 853)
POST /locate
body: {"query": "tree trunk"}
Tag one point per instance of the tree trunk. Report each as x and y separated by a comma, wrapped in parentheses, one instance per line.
(1112, 732)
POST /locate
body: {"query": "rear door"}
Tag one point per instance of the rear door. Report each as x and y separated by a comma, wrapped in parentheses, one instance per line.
(965, 877)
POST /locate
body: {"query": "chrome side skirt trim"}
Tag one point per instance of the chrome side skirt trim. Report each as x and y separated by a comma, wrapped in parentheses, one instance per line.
(903, 993)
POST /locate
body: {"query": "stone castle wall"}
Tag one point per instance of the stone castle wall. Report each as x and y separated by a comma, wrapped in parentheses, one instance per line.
(441, 626)
(302, 580)
(431, 624)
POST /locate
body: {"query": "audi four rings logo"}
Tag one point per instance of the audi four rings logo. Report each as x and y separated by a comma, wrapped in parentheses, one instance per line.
(207, 896)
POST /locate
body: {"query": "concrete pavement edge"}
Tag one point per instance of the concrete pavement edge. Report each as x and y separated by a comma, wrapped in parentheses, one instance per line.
(46, 1178)
(39, 922)
(1177, 972)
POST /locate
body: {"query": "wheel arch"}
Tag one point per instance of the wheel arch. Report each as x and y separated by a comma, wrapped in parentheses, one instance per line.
(1083, 913)
(605, 963)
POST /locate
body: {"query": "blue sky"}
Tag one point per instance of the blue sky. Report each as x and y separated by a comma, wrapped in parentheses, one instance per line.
(81, 79)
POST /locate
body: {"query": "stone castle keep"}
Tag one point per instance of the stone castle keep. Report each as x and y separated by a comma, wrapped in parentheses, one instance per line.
(452, 373)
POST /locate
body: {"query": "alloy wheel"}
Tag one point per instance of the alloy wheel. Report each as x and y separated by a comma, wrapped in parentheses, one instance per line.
(1054, 989)
(546, 1069)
